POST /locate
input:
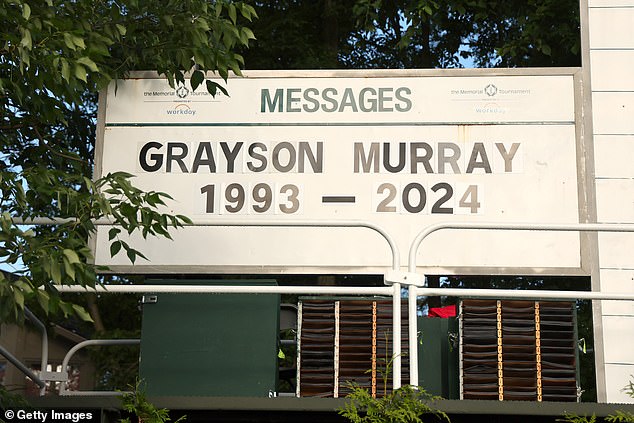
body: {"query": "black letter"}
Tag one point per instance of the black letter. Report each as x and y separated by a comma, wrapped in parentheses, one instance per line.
(231, 155)
(178, 158)
(157, 158)
(204, 147)
(401, 157)
(257, 156)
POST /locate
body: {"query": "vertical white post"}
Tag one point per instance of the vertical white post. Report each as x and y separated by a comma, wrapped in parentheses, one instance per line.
(396, 338)
(413, 335)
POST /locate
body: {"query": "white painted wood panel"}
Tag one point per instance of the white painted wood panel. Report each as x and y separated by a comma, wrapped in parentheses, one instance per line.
(617, 281)
(615, 200)
(611, 70)
(610, 3)
(618, 335)
(611, 28)
(617, 378)
(613, 113)
(614, 156)
(616, 251)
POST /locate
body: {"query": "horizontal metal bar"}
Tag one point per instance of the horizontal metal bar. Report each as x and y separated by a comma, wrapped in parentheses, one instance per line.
(532, 294)
(396, 260)
(95, 393)
(554, 227)
(344, 290)
(230, 289)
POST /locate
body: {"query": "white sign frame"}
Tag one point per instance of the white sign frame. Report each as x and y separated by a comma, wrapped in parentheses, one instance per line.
(507, 126)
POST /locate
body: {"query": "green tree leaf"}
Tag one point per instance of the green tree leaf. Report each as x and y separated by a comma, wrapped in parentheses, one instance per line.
(82, 313)
(196, 79)
(71, 256)
(26, 11)
(115, 247)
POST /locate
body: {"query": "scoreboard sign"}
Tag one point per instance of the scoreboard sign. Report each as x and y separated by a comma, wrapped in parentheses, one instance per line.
(402, 150)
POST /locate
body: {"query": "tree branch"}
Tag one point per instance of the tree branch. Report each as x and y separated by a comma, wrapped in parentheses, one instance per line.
(57, 153)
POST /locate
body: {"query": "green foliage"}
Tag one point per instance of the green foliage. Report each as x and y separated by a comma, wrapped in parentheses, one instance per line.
(407, 404)
(364, 34)
(55, 56)
(573, 418)
(629, 388)
(10, 400)
(137, 403)
(620, 417)
(305, 34)
(116, 366)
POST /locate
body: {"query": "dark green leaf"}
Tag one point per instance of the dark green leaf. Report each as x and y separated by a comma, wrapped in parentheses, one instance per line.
(112, 233)
(196, 79)
(115, 247)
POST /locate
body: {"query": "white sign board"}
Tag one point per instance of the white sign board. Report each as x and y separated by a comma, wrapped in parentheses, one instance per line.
(402, 152)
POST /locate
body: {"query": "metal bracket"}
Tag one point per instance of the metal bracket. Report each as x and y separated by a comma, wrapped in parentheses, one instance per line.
(54, 376)
(149, 299)
(404, 278)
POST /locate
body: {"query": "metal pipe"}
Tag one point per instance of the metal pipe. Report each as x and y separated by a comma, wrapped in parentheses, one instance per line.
(13, 360)
(94, 393)
(555, 227)
(480, 293)
(529, 294)
(413, 334)
(396, 338)
(228, 289)
(72, 351)
(249, 223)
(42, 328)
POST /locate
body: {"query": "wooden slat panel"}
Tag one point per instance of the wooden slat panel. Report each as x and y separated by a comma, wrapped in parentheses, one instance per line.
(355, 346)
(519, 340)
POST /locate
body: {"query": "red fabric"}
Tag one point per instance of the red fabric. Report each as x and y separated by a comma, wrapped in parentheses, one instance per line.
(443, 312)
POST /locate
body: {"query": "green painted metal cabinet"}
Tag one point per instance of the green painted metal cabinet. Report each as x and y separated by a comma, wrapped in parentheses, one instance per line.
(210, 344)
(438, 357)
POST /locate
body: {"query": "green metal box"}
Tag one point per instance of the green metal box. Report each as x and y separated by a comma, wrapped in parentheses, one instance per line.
(210, 344)
(438, 358)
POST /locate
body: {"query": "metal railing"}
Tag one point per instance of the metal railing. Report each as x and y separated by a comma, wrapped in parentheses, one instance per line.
(394, 291)
(414, 290)
(64, 371)
(38, 380)
(411, 280)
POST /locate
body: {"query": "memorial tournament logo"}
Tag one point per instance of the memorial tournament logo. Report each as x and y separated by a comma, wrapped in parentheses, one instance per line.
(182, 91)
(178, 103)
(490, 99)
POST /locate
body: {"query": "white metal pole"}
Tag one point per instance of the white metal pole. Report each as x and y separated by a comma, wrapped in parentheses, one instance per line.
(529, 294)
(555, 227)
(413, 335)
(248, 223)
(396, 338)
(229, 289)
